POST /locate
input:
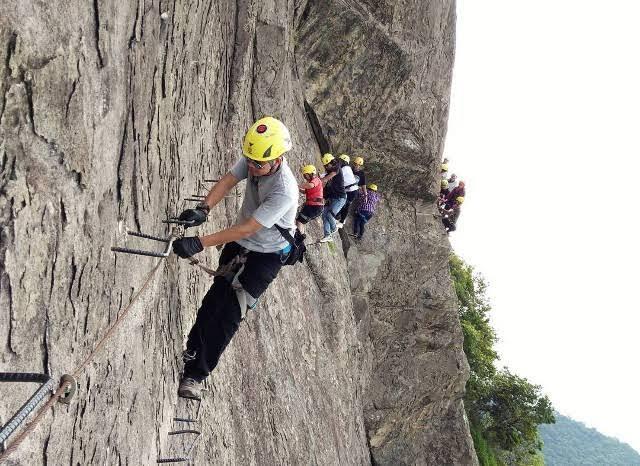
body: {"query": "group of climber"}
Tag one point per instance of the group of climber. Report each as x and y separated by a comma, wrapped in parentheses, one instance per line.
(332, 194)
(451, 197)
(264, 237)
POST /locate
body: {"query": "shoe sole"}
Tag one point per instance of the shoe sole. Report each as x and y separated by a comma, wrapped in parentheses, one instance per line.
(189, 397)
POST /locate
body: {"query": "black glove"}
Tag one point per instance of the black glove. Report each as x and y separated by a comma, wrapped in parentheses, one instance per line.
(187, 247)
(198, 215)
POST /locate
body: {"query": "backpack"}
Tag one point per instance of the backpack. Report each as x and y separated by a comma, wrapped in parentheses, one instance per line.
(298, 247)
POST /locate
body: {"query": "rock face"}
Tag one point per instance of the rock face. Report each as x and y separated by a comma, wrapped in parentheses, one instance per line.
(111, 113)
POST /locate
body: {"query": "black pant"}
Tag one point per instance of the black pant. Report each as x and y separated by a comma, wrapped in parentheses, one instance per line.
(359, 221)
(219, 314)
(351, 195)
(448, 224)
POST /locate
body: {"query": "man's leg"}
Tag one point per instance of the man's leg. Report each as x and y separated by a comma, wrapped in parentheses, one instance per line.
(364, 218)
(220, 315)
(356, 224)
(328, 221)
(218, 320)
(336, 207)
(342, 216)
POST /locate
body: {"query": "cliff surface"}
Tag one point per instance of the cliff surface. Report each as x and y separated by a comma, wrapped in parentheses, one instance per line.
(111, 115)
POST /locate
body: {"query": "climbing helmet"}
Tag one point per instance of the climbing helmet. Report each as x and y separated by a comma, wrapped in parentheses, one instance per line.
(373, 187)
(358, 161)
(327, 159)
(308, 170)
(459, 199)
(345, 158)
(267, 139)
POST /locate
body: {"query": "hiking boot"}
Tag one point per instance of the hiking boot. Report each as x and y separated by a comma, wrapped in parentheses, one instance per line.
(326, 239)
(189, 388)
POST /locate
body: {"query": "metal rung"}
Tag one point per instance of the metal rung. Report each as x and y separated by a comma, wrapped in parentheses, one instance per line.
(23, 377)
(198, 434)
(176, 221)
(144, 235)
(140, 252)
(184, 431)
(27, 408)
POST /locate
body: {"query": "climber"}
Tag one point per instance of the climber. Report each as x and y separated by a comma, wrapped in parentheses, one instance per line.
(450, 216)
(452, 181)
(350, 186)
(313, 206)
(444, 190)
(358, 171)
(254, 248)
(456, 192)
(365, 209)
(334, 195)
(444, 168)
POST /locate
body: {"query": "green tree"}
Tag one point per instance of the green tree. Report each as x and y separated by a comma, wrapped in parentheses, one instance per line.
(514, 409)
(504, 409)
(479, 337)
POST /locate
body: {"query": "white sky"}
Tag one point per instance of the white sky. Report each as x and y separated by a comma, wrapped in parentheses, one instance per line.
(544, 129)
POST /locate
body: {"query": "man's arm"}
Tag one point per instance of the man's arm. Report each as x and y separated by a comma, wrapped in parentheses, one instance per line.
(233, 233)
(328, 177)
(220, 189)
(306, 185)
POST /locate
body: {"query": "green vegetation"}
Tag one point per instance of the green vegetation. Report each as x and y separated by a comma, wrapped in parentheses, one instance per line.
(568, 443)
(504, 409)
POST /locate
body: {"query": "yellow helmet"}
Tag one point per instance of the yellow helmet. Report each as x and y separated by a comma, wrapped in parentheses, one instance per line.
(327, 159)
(308, 170)
(459, 199)
(358, 161)
(344, 157)
(444, 167)
(267, 139)
(373, 187)
(444, 183)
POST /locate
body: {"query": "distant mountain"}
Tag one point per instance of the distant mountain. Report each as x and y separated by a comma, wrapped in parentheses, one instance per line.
(568, 443)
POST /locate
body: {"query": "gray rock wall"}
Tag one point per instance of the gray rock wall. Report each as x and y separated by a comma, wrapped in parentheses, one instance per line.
(109, 116)
(378, 78)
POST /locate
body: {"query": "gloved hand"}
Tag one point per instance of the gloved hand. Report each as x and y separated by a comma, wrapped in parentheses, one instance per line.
(187, 247)
(197, 215)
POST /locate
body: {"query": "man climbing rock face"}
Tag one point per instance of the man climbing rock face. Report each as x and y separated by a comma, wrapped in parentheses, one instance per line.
(254, 249)
(334, 194)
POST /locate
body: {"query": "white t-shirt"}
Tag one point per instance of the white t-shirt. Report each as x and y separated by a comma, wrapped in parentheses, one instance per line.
(452, 184)
(349, 179)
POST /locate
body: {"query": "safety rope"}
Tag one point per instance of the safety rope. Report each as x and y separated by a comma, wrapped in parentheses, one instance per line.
(63, 387)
